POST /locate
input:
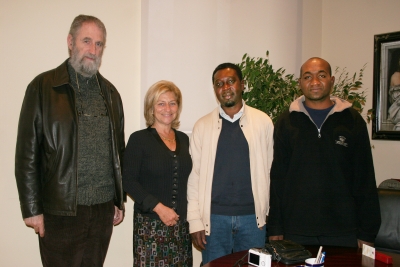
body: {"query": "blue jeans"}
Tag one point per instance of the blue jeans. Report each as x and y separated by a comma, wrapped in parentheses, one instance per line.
(231, 234)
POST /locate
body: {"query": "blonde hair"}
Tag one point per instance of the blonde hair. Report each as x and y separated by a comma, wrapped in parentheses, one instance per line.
(152, 96)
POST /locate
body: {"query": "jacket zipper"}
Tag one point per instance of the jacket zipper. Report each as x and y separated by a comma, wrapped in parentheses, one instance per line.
(318, 129)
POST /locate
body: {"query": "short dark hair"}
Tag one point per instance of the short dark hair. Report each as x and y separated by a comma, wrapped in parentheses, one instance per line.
(226, 66)
(329, 65)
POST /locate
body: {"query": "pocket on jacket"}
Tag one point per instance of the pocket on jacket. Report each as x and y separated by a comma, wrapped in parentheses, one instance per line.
(50, 167)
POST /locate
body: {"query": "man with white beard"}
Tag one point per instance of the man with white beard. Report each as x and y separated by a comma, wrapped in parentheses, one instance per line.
(69, 147)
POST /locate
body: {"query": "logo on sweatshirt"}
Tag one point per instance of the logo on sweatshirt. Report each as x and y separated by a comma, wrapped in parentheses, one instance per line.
(342, 141)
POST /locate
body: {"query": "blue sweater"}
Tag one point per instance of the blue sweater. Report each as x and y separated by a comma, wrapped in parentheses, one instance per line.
(231, 190)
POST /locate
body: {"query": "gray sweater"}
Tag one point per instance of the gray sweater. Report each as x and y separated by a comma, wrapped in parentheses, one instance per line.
(95, 173)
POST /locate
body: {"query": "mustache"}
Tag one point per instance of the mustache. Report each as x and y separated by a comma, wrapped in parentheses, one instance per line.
(229, 93)
(225, 95)
(91, 56)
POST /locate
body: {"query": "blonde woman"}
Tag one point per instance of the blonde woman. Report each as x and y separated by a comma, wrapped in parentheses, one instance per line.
(156, 169)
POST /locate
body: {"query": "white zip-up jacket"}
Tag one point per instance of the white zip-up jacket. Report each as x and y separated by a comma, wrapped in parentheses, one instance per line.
(258, 130)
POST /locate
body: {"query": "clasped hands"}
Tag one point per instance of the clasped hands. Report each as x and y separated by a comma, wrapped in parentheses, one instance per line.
(167, 215)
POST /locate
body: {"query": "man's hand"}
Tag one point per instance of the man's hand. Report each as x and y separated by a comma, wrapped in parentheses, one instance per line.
(199, 239)
(37, 223)
(276, 237)
(360, 243)
(167, 215)
(118, 216)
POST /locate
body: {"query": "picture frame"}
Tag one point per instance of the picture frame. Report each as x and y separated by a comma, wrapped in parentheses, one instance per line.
(386, 87)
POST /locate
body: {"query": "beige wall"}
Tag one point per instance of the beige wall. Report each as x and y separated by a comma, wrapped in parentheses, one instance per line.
(33, 40)
(182, 41)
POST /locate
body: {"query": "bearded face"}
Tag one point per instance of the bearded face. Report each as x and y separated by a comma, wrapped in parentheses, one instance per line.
(86, 49)
(85, 63)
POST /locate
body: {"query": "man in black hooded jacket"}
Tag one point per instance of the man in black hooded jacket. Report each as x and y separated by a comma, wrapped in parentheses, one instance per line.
(323, 188)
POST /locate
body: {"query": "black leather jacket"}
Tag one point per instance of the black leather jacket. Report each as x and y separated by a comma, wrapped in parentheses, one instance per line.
(47, 145)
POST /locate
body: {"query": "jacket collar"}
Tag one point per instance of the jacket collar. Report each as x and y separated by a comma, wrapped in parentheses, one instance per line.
(340, 105)
(61, 76)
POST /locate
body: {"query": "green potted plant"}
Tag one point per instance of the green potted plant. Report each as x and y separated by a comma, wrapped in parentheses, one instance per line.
(272, 91)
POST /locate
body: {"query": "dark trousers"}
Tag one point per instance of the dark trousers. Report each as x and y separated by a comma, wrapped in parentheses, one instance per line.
(77, 241)
(349, 240)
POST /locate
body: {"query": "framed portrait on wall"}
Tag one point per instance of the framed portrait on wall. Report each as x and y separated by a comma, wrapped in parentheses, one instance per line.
(386, 86)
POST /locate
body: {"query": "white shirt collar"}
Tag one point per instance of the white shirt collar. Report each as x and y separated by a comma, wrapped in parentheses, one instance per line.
(235, 117)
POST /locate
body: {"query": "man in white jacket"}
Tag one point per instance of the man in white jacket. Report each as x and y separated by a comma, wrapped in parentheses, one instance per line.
(228, 188)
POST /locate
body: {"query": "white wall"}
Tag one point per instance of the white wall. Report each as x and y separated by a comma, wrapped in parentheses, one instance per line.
(348, 29)
(183, 41)
(311, 31)
(33, 40)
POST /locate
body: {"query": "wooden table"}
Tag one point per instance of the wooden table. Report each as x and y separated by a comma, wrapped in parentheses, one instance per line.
(335, 257)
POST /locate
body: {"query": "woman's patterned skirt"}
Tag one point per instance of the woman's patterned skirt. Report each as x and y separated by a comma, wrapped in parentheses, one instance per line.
(158, 245)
